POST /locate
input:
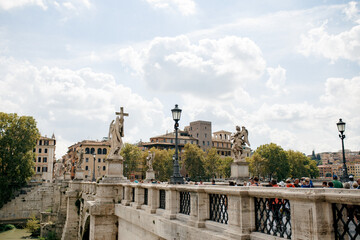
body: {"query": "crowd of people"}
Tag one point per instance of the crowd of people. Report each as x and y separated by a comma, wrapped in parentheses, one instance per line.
(304, 182)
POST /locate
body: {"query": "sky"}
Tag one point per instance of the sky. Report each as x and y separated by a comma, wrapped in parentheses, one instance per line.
(286, 70)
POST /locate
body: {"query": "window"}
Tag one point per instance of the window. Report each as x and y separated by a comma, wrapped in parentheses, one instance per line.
(40, 142)
(45, 150)
(104, 151)
(86, 167)
(208, 143)
(99, 151)
(92, 150)
(171, 141)
(39, 150)
(205, 135)
(86, 159)
(204, 143)
(104, 168)
(44, 169)
(46, 142)
(34, 150)
(34, 159)
(185, 141)
(104, 160)
(39, 159)
(38, 169)
(99, 160)
(45, 159)
(197, 135)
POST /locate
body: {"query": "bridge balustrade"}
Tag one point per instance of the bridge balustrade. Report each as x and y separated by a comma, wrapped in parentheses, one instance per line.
(259, 212)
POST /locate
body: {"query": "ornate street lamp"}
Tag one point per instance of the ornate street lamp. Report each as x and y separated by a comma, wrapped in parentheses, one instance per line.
(93, 176)
(176, 178)
(341, 128)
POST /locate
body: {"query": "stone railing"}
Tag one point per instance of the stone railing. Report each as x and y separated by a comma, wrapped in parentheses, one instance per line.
(244, 212)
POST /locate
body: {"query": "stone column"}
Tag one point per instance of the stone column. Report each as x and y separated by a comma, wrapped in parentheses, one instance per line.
(199, 205)
(241, 215)
(103, 222)
(127, 195)
(311, 216)
(153, 200)
(139, 197)
(172, 203)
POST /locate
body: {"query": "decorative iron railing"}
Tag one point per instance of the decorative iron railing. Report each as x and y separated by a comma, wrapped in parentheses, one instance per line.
(272, 216)
(346, 221)
(185, 203)
(133, 194)
(162, 199)
(219, 208)
(145, 196)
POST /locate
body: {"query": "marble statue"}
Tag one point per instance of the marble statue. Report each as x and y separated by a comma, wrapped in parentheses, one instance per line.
(116, 132)
(150, 160)
(68, 166)
(239, 141)
(80, 158)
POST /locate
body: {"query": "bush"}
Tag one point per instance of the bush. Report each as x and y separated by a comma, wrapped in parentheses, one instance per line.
(6, 227)
(51, 236)
(33, 226)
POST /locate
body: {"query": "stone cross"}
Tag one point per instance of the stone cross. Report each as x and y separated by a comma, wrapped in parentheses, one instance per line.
(121, 113)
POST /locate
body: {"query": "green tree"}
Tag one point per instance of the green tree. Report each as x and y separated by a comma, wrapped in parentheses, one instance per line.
(211, 163)
(18, 136)
(224, 169)
(132, 158)
(276, 163)
(194, 161)
(257, 165)
(33, 226)
(301, 165)
(163, 163)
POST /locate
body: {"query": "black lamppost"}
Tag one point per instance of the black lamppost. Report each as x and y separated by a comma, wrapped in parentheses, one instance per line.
(341, 128)
(176, 178)
(93, 177)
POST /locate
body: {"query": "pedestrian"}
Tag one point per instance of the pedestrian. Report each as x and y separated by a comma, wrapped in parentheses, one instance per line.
(256, 182)
(324, 184)
(213, 182)
(336, 182)
(296, 182)
(251, 181)
(358, 182)
(288, 183)
(351, 181)
(331, 185)
(355, 185)
(274, 183)
(347, 185)
(306, 183)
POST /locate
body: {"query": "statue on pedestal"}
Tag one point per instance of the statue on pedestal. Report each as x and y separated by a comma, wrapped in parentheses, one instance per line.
(239, 141)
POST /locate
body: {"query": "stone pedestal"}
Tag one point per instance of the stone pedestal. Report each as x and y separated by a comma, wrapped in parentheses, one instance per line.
(115, 169)
(67, 176)
(150, 174)
(239, 171)
(79, 174)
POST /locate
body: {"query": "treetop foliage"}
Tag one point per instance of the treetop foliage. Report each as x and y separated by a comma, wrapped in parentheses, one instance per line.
(18, 137)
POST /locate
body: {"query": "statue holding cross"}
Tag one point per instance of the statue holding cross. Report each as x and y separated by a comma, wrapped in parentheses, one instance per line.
(116, 132)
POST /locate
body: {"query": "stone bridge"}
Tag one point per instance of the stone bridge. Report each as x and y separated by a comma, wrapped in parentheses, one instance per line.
(161, 211)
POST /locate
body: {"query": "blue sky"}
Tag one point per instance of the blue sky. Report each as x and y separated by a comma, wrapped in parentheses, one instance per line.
(287, 70)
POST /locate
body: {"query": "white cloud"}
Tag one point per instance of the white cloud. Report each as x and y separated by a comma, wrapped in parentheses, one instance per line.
(345, 45)
(277, 79)
(352, 12)
(185, 7)
(10, 4)
(76, 104)
(206, 67)
(73, 5)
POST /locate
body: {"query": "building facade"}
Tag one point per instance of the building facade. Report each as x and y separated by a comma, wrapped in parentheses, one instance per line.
(95, 153)
(44, 158)
(201, 130)
(221, 141)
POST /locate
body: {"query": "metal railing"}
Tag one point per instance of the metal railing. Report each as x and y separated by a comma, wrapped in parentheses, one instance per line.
(162, 199)
(185, 203)
(145, 196)
(273, 217)
(219, 208)
(346, 221)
